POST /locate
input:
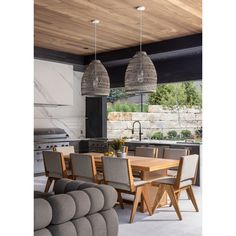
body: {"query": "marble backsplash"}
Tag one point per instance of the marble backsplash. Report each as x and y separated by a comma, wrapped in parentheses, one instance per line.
(69, 118)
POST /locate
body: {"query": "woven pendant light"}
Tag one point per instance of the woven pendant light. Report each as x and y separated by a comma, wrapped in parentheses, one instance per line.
(140, 75)
(95, 80)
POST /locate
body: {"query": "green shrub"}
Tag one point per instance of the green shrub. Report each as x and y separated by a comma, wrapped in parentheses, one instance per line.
(158, 136)
(186, 134)
(132, 108)
(172, 135)
(117, 107)
(110, 109)
(125, 107)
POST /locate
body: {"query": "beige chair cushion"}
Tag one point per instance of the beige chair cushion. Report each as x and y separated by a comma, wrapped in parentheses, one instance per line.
(120, 186)
(172, 173)
(125, 186)
(139, 182)
(171, 181)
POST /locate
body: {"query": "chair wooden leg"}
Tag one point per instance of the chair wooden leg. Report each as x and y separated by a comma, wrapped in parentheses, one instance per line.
(192, 197)
(48, 184)
(120, 200)
(135, 203)
(146, 199)
(159, 195)
(177, 198)
(172, 196)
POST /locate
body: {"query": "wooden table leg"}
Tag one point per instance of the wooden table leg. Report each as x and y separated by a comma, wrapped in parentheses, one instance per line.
(152, 191)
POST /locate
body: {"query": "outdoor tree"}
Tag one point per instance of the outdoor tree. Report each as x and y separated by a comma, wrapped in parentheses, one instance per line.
(116, 94)
(193, 96)
(176, 95)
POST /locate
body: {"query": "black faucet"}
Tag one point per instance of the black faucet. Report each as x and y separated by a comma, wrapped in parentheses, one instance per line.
(140, 129)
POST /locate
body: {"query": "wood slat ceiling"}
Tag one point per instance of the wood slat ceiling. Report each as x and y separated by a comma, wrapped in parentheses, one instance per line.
(65, 25)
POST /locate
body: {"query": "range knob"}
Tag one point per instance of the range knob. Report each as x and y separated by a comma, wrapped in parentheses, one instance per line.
(39, 147)
(47, 147)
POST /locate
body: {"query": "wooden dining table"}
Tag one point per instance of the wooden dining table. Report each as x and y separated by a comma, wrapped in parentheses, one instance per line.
(149, 169)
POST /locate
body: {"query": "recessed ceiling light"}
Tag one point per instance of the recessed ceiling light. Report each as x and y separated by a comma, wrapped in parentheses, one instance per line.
(95, 21)
(140, 8)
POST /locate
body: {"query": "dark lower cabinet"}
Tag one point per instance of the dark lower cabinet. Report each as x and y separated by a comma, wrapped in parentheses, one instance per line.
(81, 146)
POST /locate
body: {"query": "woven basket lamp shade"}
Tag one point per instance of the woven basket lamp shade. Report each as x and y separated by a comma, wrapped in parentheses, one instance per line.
(95, 81)
(140, 75)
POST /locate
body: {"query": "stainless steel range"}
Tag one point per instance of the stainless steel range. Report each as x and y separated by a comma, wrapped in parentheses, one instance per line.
(47, 139)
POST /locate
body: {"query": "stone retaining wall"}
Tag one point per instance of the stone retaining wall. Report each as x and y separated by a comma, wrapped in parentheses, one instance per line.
(119, 124)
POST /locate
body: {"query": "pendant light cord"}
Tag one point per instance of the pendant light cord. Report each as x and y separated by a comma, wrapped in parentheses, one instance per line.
(141, 30)
(95, 41)
(95, 49)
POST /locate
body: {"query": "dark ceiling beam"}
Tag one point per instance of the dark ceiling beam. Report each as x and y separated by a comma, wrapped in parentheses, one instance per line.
(185, 68)
(159, 56)
(175, 60)
(185, 42)
(56, 56)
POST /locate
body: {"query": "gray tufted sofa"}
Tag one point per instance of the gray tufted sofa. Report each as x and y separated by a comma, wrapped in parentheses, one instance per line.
(76, 209)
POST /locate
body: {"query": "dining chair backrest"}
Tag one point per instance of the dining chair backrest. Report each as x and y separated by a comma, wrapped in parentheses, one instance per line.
(161, 151)
(117, 173)
(175, 153)
(187, 168)
(66, 151)
(54, 164)
(83, 167)
(146, 152)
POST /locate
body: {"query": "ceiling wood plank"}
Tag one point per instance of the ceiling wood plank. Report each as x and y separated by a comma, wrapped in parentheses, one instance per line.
(65, 25)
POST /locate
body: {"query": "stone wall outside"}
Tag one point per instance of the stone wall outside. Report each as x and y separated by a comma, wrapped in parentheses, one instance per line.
(119, 124)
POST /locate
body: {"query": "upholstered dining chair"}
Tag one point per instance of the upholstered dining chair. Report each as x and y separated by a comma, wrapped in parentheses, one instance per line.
(146, 152)
(151, 152)
(183, 181)
(66, 151)
(118, 173)
(84, 168)
(55, 167)
(176, 154)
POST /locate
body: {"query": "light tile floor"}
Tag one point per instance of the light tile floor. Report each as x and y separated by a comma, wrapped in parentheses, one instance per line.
(163, 223)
